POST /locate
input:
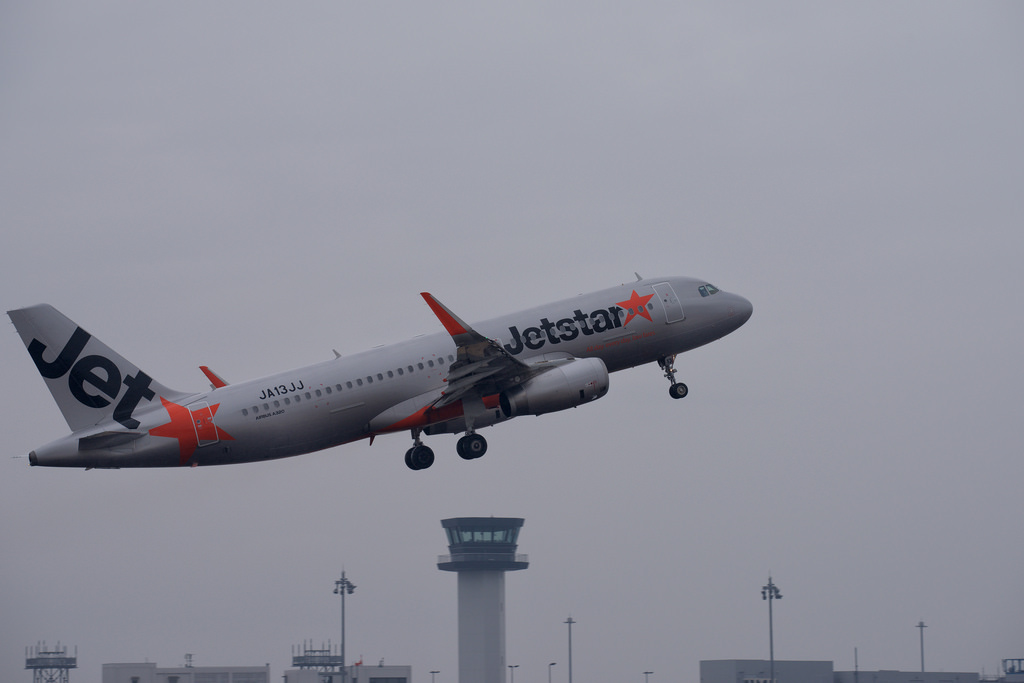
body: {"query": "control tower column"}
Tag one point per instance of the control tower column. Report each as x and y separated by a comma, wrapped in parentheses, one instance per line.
(481, 550)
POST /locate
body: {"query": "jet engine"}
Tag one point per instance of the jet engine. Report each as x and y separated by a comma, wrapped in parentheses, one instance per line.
(564, 386)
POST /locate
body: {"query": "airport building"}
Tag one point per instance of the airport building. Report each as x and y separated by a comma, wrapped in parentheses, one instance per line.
(758, 671)
(787, 671)
(356, 673)
(150, 673)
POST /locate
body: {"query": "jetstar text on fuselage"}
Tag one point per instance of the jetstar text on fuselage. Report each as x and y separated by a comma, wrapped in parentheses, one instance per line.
(565, 329)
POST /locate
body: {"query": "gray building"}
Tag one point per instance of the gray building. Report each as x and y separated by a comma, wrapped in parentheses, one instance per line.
(758, 671)
(786, 671)
(380, 673)
(150, 673)
(885, 676)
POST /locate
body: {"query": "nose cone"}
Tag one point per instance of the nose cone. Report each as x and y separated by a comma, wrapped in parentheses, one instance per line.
(737, 311)
(741, 309)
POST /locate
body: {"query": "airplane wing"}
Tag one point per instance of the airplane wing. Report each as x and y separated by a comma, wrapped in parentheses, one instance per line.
(482, 366)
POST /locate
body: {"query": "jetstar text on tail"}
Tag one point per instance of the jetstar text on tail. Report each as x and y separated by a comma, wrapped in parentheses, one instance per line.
(567, 329)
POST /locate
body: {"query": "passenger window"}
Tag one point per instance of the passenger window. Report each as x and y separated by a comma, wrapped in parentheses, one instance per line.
(266, 406)
(287, 401)
(348, 384)
(401, 371)
(245, 411)
(410, 368)
(430, 363)
(308, 396)
(319, 393)
(359, 382)
(419, 365)
(255, 410)
(338, 387)
(369, 380)
(391, 375)
(327, 389)
(277, 404)
(380, 377)
(298, 398)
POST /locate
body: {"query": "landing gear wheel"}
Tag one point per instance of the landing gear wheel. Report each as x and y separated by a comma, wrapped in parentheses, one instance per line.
(419, 457)
(471, 446)
(678, 389)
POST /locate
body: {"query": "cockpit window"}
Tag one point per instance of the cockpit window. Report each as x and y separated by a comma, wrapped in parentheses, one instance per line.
(708, 290)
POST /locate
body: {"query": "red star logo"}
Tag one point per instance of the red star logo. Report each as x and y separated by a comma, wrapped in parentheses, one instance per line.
(637, 305)
(190, 427)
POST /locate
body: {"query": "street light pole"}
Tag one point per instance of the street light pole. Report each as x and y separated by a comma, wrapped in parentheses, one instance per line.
(646, 674)
(549, 670)
(771, 592)
(512, 670)
(341, 587)
(432, 674)
(570, 621)
(921, 625)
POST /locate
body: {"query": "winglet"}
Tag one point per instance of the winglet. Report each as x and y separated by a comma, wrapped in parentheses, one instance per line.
(214, 378)
(451, 322)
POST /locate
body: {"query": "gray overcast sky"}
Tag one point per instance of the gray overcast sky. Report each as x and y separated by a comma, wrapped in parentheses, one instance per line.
(250, 185)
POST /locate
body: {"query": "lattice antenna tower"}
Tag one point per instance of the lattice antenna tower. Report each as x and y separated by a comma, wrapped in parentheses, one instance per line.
(50, 665)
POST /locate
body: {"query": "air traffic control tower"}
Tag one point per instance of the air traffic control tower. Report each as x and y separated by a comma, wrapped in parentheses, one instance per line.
(482, 550)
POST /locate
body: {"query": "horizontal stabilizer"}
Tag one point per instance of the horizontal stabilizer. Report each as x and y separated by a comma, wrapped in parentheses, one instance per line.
(107, 440)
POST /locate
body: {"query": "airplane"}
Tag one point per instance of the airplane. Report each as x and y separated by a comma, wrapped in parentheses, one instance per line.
(540, 360)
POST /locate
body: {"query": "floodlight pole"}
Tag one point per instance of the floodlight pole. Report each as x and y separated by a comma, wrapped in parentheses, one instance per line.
(771, 592)
(921, 625)
(549, 670)
(570, 621)
(341, 587)
(646, 674)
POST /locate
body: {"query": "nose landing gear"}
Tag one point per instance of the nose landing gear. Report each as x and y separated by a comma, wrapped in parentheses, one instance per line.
(677, 389)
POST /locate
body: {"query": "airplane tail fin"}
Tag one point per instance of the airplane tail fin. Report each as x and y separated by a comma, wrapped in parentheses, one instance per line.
(89, 381)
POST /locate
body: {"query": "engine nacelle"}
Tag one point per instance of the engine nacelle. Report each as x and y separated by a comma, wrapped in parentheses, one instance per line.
(564, 386)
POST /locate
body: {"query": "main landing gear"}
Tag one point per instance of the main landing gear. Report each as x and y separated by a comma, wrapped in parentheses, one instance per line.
(471, 446)
(678, 389)
(420, 457)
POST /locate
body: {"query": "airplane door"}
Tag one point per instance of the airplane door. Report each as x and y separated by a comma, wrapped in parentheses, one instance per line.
(202, 420)
(670, 302)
